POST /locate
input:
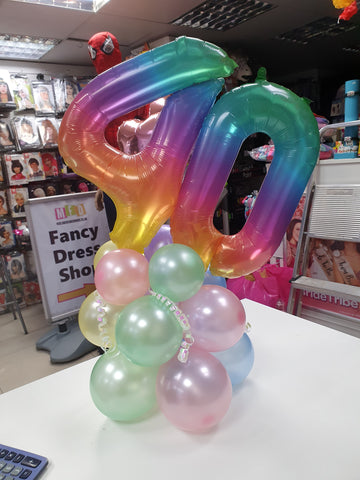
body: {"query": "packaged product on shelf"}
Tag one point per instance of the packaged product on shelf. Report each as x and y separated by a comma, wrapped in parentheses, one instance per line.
(48, 129)
(22, 234)
(23, 94)
(7, 136)
(3, 203)
(17, 170)
(7, 101)
(50, 164)
(7, 239)
(17, 197)
(36, 190)
(44, 97)
(26, 130)
(59, 92)
(30, 265)
(35, 167)
(3, 307)
(32, 293)
(51, 189)
(15, 263)
(71, 90)
(67, 187)
(18, 289)
(83, 81)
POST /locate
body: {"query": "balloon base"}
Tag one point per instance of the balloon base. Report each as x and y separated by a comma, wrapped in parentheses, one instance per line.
(65, 343)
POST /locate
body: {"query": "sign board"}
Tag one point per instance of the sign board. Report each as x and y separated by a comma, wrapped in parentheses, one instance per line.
(66, 231)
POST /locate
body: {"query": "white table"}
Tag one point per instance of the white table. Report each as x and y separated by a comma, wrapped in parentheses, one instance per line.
(297, 416)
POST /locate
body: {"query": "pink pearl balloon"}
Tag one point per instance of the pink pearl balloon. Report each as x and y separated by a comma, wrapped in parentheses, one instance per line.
(122, 276)
(216, 316)
(194, 396)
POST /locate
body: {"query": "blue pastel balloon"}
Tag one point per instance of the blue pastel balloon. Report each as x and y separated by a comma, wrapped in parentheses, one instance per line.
(211, 279)
(238, 360)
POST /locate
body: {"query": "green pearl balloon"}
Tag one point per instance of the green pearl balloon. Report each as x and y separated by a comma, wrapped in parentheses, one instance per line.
(121, 390)
(176, 271)
(147, 332)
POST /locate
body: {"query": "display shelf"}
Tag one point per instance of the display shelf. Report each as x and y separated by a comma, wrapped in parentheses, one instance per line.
(325, 287)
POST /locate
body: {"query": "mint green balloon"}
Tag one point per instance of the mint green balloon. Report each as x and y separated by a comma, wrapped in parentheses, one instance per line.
(147, 332)
(121, 390)
(176, 271)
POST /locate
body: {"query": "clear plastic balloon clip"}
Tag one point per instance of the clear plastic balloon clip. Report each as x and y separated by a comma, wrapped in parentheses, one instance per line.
(188, 339)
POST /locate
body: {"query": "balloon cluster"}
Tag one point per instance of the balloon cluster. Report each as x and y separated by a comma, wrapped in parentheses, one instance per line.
(157, 319)
(159, 325)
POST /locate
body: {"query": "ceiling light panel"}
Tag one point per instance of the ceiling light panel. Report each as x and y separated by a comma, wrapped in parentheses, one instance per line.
(20, 47)
(84, 5)
(222, 15)
(324, 27)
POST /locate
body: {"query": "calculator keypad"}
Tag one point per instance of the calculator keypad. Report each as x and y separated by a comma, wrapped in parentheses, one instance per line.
(20, 464)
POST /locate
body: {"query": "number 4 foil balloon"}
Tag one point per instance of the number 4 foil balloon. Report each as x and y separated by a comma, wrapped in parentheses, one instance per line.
(144, 186)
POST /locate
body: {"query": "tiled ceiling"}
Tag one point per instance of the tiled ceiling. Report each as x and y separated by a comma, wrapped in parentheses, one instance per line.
(271, 36)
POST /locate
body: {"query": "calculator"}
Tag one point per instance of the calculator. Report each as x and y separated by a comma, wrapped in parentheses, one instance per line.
(19, 464)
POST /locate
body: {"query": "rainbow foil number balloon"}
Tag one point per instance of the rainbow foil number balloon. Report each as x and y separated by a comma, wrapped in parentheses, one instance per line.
(165, 319)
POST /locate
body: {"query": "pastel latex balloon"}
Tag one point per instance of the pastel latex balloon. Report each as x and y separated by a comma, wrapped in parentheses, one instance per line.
(176, 271)
(162, 238)
(97, 320)
(216, 316)
(147, 332)
(211, 279)
(121, 276)
(288, 120)
(238, 360)
(105, 248)
(159, 168)
(121, 390)
(194, 396)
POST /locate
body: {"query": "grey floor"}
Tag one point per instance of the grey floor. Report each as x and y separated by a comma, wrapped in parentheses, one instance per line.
(20, 361)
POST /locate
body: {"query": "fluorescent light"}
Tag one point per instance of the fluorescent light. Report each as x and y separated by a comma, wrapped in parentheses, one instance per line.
(86, 5)
(21, 47)
(222, 15)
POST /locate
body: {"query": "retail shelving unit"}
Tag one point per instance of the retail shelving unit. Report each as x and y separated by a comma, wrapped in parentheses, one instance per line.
(11, 300)
(331, 213)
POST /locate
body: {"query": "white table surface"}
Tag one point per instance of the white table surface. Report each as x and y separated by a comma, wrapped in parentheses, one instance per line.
(296, 416)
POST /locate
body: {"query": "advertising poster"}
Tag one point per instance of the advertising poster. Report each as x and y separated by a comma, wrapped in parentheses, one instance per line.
(66, 231)
(335, 261)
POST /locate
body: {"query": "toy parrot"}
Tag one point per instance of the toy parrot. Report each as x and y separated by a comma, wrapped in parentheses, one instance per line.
(105, 53)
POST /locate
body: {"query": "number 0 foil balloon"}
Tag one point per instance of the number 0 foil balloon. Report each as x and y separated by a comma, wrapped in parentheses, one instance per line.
(288, 120)
(144, 186)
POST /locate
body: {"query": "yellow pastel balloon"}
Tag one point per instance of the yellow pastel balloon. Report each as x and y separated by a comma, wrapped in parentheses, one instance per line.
(103, 250)
(97, 320)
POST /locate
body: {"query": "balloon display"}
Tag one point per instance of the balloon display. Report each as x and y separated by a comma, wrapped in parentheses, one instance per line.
(159, 168)
(258, 107)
